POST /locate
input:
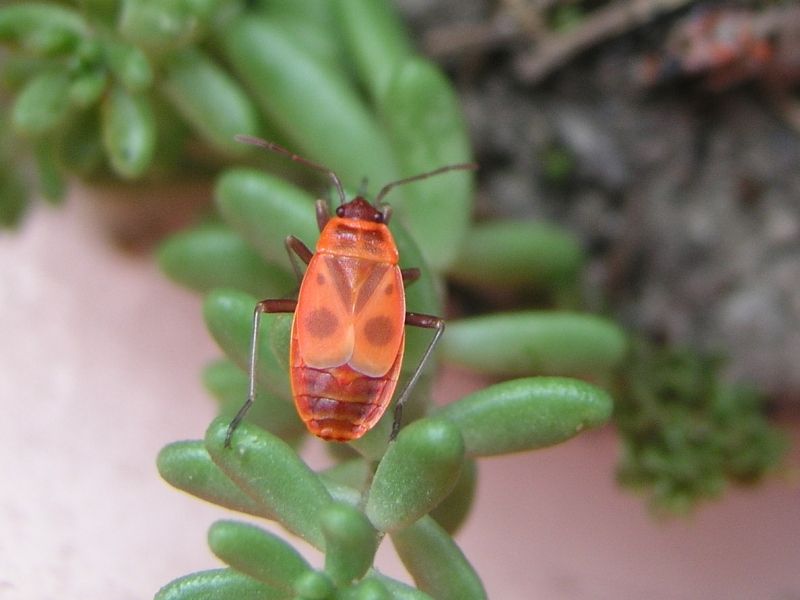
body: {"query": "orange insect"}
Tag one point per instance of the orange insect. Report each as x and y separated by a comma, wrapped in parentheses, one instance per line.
(348, 332)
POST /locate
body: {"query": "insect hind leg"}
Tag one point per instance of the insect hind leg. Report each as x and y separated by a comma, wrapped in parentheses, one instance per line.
(265, 306)
(428, 322)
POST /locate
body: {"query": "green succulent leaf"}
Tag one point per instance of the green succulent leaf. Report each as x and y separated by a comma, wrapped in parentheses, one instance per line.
(215, 257)
(341, 492)
(16, 69)
(219, 584)
(229, 318)
(260, 554)
(51, 175)
(350, 543)
(13, 197)
(524, 343)
(354, 472)
(313, 586)
(129, 65)
(87, 88)
(417, 472)
(129, 132)
(264, 210)
(104, 11)
(397, 589)
(425, 294)
(272, 473)
(437, 565)
(41, 27)
(317, 14)
(188, 467)
(43, 104)
(297, 92)
(313, 26)
(372, 445)
(451, 513)
(90, 52)
(161, 26)
(517, 254)
(366, 589)
(376, 38)
(230, 386)
(221, 111)
(80, 145)
(322, 43)
(427, 130)
(524, 414)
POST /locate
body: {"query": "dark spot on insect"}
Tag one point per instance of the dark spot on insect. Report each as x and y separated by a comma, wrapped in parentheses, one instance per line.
(321, 323)
(321, 279)
(389, 289)
(378, 331)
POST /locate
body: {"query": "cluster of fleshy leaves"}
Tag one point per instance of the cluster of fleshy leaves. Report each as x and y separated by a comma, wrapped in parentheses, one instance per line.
(110, 87)
(417, 490)
(126, 87)
(686, 433)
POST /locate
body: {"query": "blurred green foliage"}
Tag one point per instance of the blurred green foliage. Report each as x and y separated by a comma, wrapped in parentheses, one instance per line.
(130, 88)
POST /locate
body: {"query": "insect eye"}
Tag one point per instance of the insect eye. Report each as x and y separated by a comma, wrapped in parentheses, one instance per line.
(339, 211)
(378, 217)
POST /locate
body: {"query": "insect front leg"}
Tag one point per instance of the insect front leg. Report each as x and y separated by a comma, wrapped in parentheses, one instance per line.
(295, 248)
(265, 306)
(323, 213)
(428, 322)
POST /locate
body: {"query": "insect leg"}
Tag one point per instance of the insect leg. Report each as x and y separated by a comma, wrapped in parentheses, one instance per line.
(323, 213)
(409, 275)
(265, 306)
(428, 322)
(297, 249)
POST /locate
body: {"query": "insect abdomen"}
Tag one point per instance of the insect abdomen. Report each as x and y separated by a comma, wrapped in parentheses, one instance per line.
(340, 404)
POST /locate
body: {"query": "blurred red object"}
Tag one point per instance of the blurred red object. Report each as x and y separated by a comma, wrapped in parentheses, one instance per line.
(726, 46)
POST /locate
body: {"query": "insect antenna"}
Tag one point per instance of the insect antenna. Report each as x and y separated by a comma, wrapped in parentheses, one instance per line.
(389, 186)
(273, 147)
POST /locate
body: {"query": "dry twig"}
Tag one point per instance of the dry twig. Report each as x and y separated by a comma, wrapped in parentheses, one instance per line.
(612, 20)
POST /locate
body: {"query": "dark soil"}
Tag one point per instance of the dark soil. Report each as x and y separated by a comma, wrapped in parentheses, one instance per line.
(687, 198)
